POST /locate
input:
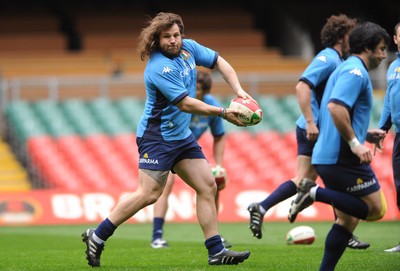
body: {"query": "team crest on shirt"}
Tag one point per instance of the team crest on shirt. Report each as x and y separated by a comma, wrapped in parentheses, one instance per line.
(397, 69)
(322, 58)
(185, 55)
(356, 72)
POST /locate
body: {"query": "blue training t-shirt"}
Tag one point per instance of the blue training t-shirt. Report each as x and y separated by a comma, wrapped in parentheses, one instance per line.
(316, 75)
(350, 86)
(199, 124)
(391, 106)
(167, 82)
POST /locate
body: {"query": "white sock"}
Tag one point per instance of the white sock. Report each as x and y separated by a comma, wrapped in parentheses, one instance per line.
(97, 239)
(313, 192)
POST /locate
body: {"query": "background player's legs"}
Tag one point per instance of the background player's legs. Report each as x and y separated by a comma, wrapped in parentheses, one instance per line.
(160, 211)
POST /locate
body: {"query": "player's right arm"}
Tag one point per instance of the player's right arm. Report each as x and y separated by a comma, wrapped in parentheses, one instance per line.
(303, 92)
(341, 119)
(195, 106)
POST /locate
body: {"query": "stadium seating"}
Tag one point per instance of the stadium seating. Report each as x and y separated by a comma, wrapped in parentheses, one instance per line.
(90, 144)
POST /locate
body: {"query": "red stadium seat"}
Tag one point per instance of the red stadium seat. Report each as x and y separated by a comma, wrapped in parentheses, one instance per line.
(112, 161)
(80, 158)
(126, 145)
(51, 165)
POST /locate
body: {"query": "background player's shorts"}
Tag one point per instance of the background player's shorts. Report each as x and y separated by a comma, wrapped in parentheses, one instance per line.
(163, 155)
(357, 180)
(304, 146)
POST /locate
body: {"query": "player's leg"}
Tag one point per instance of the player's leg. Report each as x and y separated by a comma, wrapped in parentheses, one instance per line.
(288, 188)
(225, 242)
(396, 175)
(340, 234)
(147, 193)
(396, 166)
(160, 210)
(197, 174)
(337, 239)
(365, 201)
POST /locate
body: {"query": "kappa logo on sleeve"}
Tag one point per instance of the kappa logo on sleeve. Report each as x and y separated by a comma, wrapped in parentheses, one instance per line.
(322, 58)
(356, 72)
(166, 70)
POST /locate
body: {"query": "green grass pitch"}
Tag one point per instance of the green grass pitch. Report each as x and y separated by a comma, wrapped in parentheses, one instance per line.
(60, 248)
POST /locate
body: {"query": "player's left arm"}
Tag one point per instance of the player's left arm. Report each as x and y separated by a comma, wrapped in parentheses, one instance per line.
(342, 121)
(229, 74)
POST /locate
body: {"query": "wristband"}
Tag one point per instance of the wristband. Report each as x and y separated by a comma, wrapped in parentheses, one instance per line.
(222, 112)
(353, 143)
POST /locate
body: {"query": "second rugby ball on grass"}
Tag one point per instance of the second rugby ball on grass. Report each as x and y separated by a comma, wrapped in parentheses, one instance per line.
(301, 235)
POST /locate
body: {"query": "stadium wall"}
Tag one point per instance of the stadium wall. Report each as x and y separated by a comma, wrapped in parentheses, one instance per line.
(52, 207)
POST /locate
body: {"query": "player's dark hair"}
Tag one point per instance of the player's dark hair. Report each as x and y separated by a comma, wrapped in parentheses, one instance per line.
(149, 38)
(335, 28)
(367, 36)
(397, 26)
(205, 81)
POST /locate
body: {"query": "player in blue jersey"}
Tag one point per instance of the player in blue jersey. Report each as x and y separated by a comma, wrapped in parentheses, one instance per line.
(339, 156)
(198, 124)
(165, 141)
(391, 116)
(310, 88)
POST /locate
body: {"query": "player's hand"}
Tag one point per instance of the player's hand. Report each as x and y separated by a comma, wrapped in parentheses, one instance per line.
(244, 95)
(232, 115)
(312, 131)
(376, 137)
(363, 152)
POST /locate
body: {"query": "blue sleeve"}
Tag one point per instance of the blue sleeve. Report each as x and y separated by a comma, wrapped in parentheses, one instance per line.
(204, 56)
(347, 88)
(385, 122)
(318, 70)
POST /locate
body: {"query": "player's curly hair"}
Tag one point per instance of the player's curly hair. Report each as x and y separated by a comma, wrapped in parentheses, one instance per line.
(149, 39)
(335, 28)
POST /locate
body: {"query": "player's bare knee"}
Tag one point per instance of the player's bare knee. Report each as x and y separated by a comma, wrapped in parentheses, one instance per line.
(210, 189)
(377, 211)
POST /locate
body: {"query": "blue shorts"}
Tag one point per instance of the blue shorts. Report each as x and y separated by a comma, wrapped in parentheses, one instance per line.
(357, 180)
(304, 146)
(163, 155)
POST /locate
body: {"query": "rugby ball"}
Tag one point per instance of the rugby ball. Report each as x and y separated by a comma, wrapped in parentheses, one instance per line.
(250, 111)
(220, 176)
(301, 235)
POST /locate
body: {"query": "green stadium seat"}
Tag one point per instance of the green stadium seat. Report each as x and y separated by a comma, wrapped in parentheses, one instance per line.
(80, 117)
(291, 106)
(131, 109)
(53, 118)
(108, 116)
(275, 114)
(23, 120)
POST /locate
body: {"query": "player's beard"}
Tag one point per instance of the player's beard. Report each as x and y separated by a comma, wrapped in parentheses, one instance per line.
(172, 51)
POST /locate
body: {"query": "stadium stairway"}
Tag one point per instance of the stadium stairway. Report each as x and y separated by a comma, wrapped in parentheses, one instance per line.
(13, 176)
